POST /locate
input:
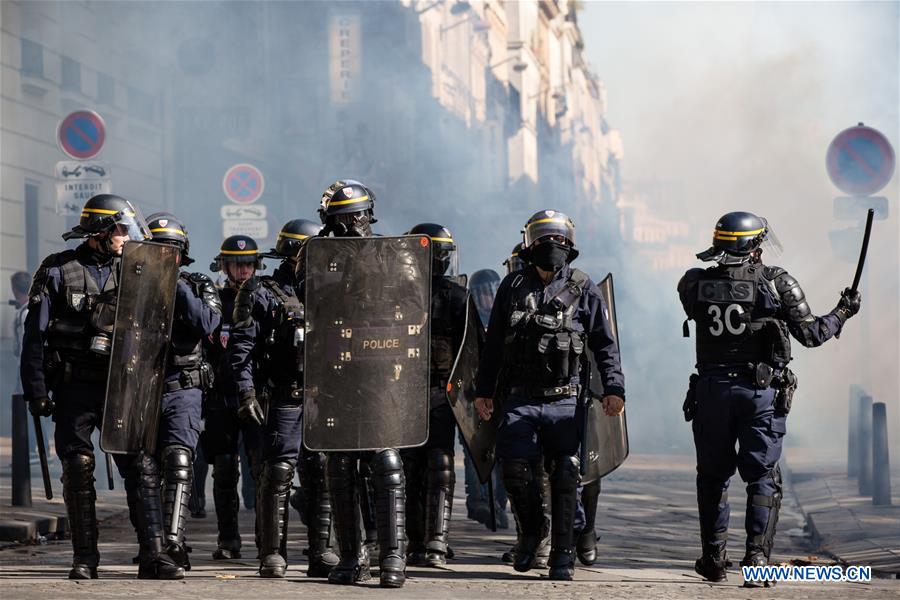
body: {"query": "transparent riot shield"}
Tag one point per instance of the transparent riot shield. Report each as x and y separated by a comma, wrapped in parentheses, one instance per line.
(480, 436)
(140, 342)
(366, 359)
(606, 438)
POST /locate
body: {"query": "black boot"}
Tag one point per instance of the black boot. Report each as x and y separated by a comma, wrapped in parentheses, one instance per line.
(316, 504)
(524, 492)
(271, 516)
(178, 479)
(81, 497)
(390, 508)
(353, 565)
(225, 495)
(712, 565)
(155, 563)
(586, 546)
(564, 496)
(367, 509)
(756, 557)
(439, 505)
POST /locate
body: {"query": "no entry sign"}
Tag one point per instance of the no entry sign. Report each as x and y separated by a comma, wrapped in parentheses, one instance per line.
(243, 183)
(860, 161)
(81, 134)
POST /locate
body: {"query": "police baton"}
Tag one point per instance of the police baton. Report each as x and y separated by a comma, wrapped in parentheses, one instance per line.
(864, 250)
(109, 477)
(42, 454)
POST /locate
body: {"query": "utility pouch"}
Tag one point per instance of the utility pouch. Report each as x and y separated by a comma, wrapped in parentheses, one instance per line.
(785, 387)
(762, 375)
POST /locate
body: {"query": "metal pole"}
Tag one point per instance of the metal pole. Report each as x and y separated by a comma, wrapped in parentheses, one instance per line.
(21, 464)
(881, 466)
(865, 443)
(853, 432)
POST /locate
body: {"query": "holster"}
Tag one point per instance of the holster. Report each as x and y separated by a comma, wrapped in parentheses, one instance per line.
(690, 399)
(785, 386)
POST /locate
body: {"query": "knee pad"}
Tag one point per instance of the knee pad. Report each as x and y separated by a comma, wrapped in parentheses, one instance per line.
(277, 476)
(387, 468)
(518, 474)
(440, 466)
(566, 473)
(78, 470)
(178, 464)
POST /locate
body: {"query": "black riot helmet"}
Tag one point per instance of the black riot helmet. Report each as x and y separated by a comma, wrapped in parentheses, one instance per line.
(168, 229)
(483, 286)
(514, 262)
(103, 213)
(737, 237)
(347, 208)
(237, 249)
(444, 256)
(291, 237)
(549, 224)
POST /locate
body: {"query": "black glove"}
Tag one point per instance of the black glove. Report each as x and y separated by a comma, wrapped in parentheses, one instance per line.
(41, 406)
(250, 411)
(849, 304)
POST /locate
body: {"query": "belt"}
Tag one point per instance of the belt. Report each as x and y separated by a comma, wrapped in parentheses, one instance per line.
(187, 379)
(546, 392)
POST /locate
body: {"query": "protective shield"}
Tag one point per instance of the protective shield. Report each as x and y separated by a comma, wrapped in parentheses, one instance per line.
(140, 342)
(480, 436)
(366, 360)
(606, 438)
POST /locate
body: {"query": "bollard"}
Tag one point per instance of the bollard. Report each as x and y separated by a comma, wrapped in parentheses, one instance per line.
(21, 461)
(864, 468)
(853, 432)
(881, 465)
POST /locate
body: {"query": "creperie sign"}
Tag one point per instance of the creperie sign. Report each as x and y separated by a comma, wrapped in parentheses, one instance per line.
(344, 51)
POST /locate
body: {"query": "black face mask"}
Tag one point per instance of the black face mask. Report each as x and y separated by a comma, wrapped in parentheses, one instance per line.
(550, 256)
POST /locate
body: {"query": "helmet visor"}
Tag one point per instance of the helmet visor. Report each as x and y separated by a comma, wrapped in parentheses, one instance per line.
(446, 259)
(131, 222)
(771, 245)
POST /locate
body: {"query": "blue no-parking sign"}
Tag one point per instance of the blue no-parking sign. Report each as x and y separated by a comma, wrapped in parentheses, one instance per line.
(81, 134)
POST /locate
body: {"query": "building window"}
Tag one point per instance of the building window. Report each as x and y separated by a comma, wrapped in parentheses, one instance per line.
(141, 105)
(32, 58)
(106, 89)
(71, 74)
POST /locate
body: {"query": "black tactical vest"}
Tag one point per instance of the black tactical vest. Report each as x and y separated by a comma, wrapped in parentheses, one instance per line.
(729, 329)
(544, 342)
(282, 355)
(88, 311)
(442, 355)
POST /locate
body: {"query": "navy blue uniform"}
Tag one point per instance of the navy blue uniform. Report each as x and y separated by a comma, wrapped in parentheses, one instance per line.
(223, 432)
(743, 315)
(533, 356)
(554, 424)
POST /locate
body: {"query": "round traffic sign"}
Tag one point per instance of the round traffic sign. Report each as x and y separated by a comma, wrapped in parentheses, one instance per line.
(81, 134)
(860, 161)
(243, 183)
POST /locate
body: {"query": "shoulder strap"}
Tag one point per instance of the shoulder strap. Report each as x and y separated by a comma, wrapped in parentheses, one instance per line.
(572, 289)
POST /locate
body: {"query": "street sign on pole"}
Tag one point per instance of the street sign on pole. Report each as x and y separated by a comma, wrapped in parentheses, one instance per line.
(243, 184)
(77, 181)
(81, 134)
(860, 161)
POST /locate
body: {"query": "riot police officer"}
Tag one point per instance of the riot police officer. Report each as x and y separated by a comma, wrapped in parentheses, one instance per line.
(239, 259)
(744, 310)
(544, 318)
(429, 469)
(266, 350)
(198, 313)
(347, 210)
(65, 352)
(514, 262)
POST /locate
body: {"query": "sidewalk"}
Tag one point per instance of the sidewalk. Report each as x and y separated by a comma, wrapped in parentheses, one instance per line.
(46, 519)
(842, 523)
